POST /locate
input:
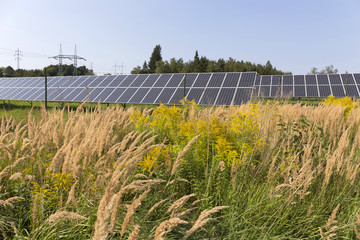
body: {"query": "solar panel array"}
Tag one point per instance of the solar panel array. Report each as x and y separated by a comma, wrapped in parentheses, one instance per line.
(321, 85)
(204, 88)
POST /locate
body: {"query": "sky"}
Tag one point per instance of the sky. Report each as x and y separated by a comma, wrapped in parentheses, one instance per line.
(295, 35)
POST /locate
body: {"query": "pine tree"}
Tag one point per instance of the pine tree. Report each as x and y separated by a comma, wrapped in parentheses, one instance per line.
(155, 57)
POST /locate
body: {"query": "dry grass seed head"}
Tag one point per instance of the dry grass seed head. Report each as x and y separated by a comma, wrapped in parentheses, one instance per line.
(202, 220)
(64, 216)
(175, 207)
(166, 227)
(131, 211)
(135, 233)
(182, 154)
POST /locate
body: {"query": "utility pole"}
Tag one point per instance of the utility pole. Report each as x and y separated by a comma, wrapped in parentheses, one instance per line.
(74, 58)
(18, 56)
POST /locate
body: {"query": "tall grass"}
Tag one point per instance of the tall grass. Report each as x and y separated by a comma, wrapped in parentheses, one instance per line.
(257, 171)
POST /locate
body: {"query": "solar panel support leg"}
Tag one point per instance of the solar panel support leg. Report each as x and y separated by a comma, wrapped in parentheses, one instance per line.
(107, 104)
(9, 105)
(123, 105)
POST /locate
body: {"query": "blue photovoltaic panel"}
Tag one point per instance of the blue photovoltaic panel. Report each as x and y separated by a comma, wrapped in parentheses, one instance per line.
(247, 79)
(139, 95)
(324, 91)
(64, 95)
(310, 80)
(151, 80)
(128, 80)
(231, 80)
(19, 93)
(67, 83)
(357, 78)
(257, 80)
(264, 91)
(81, 82)
(225, 96)
(255, 92)
(209, 96)
(312, 91)
(338, 90)
(176, 80)
(287, 91)
(323, 79)
(73, 94)
(288, 80)
(347, 78)
(276, 80)
(38, 95)
(216, 80)
(29, 93)
(195, 94)
(83, 95)
(190, 79)
(104, 94)
(93, 97)
(299, 91)
(335, 79)
(202, 80)
(299, 80)
(265, 80)
(151, 96)
(107, 81)
(163, 80)
(115, 95)
(96, 81)
(117, 81)
(139, 80)
(55, 82)
(165, 96)
(125, 97)
(275, 91)
(243, 95)
(351, 91)
(178, 95)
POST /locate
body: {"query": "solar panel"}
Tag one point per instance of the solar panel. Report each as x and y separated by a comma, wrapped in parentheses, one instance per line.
(195, 94)
(163, 80)
(165, 96)
(225, 96)
(209, 96)
(151, 96)
(202, 80)
(204, 88)
(243, 95)
(177, 96)
(216, 80)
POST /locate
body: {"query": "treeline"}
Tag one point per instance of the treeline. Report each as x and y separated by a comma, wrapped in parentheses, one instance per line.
(202, 64)
(52, 70)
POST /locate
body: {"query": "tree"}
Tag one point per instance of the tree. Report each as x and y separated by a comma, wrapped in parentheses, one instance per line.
(145, 68)
(136, 70)
(9, 72)
(196, 63)
(155, 57)
(327, 70)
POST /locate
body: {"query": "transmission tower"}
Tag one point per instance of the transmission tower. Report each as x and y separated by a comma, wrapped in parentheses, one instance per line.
(18, 56)
(74, 58)
(119, 66)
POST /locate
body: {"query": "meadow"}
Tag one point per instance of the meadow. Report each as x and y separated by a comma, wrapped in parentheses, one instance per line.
(264, 170)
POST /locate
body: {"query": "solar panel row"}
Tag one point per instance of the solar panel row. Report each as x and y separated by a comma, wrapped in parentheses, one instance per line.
(204, 88)
(321, 85)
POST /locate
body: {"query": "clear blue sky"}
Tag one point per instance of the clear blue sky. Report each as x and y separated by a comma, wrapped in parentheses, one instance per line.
(294, 35)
